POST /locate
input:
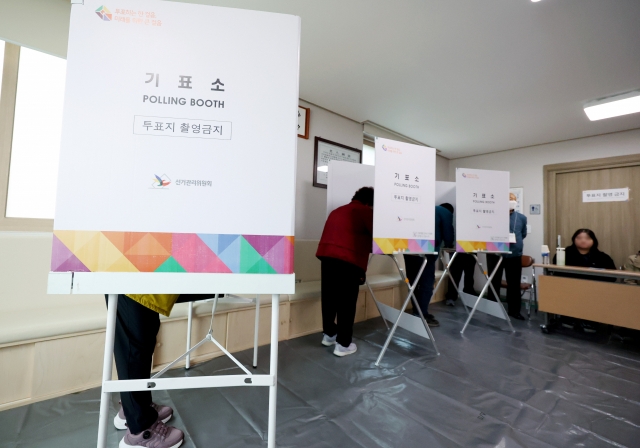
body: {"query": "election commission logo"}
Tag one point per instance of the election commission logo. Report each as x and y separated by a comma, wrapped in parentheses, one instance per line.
(104, 13)
(160, 182)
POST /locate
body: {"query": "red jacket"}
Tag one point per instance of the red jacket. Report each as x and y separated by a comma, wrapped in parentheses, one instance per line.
(347, 234)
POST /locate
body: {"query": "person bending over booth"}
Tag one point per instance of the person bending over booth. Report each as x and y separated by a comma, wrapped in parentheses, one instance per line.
(137, 325)
(424, 289)
(463, 263)
(344, 254)
(511, 263)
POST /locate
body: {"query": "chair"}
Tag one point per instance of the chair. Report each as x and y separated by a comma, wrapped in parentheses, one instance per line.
(527, 262)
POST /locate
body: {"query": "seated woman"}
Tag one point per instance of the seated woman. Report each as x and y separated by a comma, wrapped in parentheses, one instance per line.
(584, 252)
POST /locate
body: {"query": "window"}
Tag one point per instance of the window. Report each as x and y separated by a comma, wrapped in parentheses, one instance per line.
(33, 171)
(368, 155)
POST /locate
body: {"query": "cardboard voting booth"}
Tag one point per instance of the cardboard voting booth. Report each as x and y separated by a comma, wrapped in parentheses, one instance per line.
(179, 130)
(404, 222)
(482, 226)
(344, 179)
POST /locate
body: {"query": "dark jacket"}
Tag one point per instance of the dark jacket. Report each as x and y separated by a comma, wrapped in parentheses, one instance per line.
(517, 225)
(444, 228)
(595, 259)
(348, 234)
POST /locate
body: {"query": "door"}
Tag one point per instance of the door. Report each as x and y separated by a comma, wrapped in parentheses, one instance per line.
(616, 224)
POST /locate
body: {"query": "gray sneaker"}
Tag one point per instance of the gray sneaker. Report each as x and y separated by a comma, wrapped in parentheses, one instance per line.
(158, 436)
(164, 413)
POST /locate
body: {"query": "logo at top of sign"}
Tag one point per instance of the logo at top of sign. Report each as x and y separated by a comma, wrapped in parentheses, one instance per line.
(104, 13)
(399, 218)
(161, 181)
(391, 149)
(470, 176)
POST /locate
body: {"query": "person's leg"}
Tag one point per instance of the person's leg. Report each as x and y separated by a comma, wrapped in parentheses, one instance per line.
(329, 291)
(426, 284)
(456, 268)
(347, 300)
(492, 261)
(469, 269)
(412, 264)
(513, 275)
(135, 340)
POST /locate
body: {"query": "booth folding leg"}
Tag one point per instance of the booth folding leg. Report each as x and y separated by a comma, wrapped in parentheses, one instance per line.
(485, 289)
(246, 379)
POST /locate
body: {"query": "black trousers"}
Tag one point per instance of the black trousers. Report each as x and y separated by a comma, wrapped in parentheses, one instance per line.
(463, 263)
(135, 340)
(512, 268)
(340, 285)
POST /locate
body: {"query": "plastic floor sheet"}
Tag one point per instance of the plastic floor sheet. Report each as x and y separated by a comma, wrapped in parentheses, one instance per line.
(488, 388)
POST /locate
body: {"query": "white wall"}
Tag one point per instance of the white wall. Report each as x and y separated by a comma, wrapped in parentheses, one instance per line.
(526, 167)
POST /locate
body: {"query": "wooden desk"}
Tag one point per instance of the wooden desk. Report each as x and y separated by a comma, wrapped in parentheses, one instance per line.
(606, 302)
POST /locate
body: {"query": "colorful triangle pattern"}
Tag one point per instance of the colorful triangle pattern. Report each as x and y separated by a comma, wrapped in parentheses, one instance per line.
(471, 246)
(393, 245)
(94, 251)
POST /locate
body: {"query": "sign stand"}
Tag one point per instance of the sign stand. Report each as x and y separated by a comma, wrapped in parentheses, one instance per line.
(481, 304)
(156, 383)
(187, 366)
(402, 319)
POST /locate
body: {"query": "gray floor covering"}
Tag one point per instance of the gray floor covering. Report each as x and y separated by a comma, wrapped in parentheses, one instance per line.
(488, 388)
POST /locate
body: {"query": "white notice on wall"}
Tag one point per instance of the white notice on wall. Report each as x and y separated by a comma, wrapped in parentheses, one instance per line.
(611, 195)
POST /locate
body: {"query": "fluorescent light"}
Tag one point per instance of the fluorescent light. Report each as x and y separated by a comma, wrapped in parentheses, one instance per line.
(535, 1)
(323, 169)
(628, 103)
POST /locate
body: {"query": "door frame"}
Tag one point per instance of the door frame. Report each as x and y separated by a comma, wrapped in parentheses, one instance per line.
(550, 173)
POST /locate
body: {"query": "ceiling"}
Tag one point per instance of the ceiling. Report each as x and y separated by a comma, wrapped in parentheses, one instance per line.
(465, 76)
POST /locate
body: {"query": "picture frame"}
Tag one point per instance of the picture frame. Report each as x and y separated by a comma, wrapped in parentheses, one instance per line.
(304, 115)
(325, 150)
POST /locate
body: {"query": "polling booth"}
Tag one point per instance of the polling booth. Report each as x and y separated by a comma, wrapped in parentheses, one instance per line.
(404, 223)
(482, 226)
(179, 130)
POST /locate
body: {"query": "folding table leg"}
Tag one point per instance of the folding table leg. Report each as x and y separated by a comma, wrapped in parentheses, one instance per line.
(107, 365)
(483, 292)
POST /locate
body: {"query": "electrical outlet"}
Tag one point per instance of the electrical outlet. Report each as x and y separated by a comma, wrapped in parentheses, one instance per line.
(524, 279)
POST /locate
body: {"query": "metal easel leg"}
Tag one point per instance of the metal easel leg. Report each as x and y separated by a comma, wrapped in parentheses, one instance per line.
(107, 365)
(404, 307)
(273, 367)
(483, 292)
(255, 335)
(417, 305)
(506, 315)
(189, 327)
(373, 296)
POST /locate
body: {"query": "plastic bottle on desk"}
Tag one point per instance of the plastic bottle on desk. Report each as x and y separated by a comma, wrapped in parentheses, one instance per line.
(560, 259)
(545, 254)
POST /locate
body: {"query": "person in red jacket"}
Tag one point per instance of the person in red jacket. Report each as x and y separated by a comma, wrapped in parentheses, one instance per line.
(344, 253)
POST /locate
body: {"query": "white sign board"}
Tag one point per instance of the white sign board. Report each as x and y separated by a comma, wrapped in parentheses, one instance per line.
(446, 193)
(404, 200)
(344, 179)
(611, 195)
(482, 213)
(173, 140)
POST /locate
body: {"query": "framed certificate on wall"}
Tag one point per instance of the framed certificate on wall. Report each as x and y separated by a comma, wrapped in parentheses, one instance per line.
(325, 150)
